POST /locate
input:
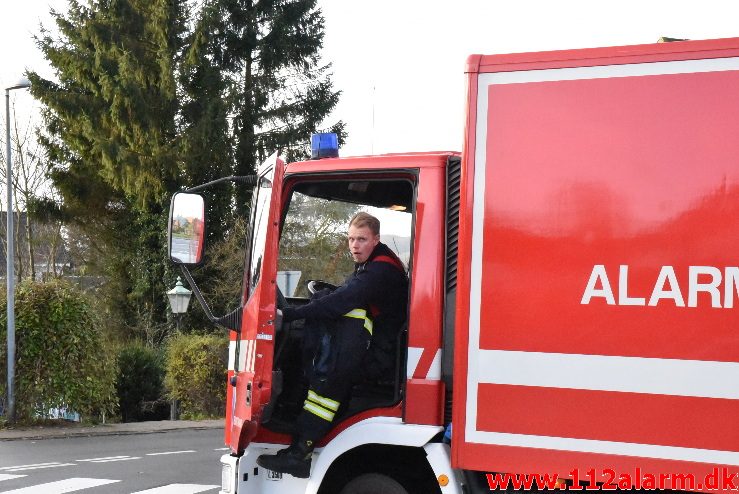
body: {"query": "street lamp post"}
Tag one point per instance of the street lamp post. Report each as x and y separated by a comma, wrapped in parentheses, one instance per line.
(10, 253)
(179, 299)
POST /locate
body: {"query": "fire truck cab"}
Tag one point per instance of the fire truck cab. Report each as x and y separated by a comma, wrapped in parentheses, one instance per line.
(573, 277)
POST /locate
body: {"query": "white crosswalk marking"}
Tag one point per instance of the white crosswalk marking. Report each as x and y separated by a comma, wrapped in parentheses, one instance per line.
(62, 486)
(35, 466)
(178, 489)
(7, 476)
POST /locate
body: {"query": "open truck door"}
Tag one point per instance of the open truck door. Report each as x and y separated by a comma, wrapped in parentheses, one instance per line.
(251, 348)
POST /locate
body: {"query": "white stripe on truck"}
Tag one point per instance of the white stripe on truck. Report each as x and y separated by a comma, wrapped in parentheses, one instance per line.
(247, 352)
(698, 378)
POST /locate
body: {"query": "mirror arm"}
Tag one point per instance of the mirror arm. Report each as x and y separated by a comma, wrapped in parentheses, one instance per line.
(245, 179)
(231, 321)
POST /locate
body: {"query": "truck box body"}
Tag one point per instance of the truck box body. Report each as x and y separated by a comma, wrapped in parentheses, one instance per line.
(596, 314)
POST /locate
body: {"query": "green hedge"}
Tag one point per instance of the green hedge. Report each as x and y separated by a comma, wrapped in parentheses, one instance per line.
(61, 359)
(140, 384)
(196, 370)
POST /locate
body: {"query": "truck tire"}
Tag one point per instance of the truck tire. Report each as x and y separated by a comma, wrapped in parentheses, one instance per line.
(373, 483)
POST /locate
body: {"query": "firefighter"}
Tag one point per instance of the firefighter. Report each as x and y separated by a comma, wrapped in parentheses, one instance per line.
(367, 310)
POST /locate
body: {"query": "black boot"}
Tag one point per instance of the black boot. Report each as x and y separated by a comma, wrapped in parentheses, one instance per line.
(294, 460)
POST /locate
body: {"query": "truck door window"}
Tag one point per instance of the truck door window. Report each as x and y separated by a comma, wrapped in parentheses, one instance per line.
(260, 212)
(313, 243)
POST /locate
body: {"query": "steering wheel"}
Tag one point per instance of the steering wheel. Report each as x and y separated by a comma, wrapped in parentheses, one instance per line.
(318, 285)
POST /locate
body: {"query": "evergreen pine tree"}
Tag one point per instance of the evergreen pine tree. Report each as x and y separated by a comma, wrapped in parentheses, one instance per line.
(206, 141)
(141, 106)
(253, 84)
(111, 138)
(269, 51)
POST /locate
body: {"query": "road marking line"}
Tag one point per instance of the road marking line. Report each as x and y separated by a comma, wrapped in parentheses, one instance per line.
(39, 466)
(172, 452)
(7, 476)
(62, 486)
(112, 459)
(30, 465)
(118, 459)
(221, 449)
(178, 489)
(105, 458)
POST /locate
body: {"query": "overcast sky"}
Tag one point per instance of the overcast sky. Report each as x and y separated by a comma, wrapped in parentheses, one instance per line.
(400, 63)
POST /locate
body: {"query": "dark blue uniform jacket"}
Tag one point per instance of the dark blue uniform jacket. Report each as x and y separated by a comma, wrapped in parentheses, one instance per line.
(379, 286)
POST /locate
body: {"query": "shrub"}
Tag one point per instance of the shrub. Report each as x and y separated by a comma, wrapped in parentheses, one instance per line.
(140, 384)
(61, 360)
(196, 374)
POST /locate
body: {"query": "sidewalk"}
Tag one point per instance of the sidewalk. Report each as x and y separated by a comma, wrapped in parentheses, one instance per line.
(77, 430)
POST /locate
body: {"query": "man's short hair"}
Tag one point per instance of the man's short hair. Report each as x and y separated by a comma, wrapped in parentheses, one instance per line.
(362, 219)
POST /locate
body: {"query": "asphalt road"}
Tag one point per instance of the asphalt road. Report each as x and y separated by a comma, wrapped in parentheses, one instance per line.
(173, 462)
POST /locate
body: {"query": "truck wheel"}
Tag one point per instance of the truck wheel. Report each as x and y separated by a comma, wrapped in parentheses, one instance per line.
(373, 483)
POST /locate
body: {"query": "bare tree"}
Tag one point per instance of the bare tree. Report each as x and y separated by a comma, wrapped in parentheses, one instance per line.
(29, 182)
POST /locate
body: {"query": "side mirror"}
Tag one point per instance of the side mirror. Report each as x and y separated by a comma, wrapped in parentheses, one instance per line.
(186, 228)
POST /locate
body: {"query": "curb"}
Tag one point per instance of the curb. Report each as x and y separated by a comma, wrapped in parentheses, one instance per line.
(37, 433)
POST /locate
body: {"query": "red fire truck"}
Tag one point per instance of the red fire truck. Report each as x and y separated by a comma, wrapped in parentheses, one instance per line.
(573, 276)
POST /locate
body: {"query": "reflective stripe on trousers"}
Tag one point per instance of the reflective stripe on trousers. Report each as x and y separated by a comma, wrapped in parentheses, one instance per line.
(321, 406)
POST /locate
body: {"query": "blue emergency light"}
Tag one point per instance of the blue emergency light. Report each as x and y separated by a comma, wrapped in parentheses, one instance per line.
(324, 146)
